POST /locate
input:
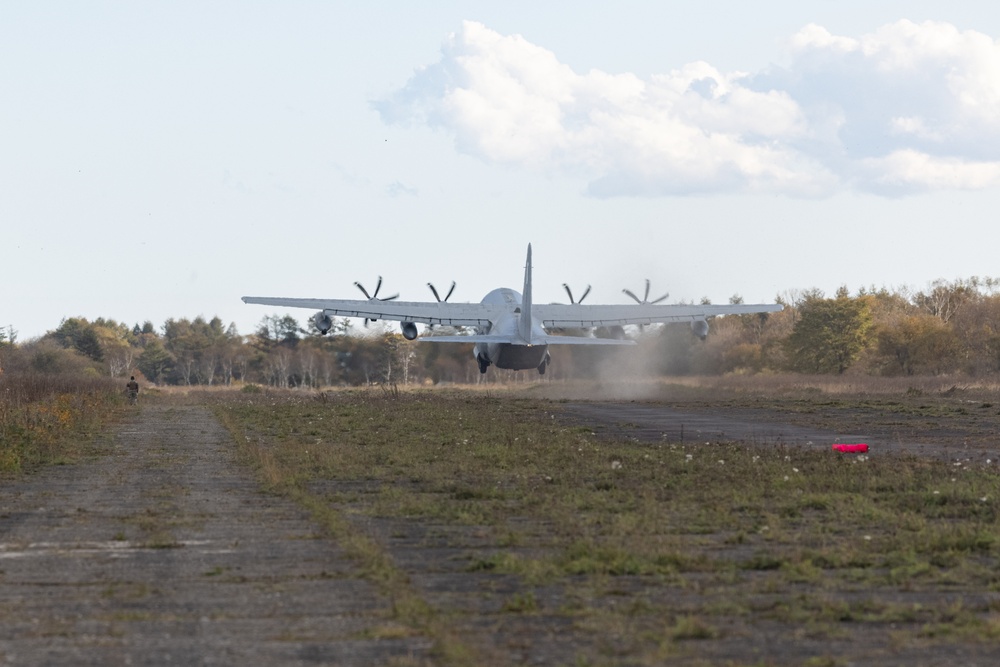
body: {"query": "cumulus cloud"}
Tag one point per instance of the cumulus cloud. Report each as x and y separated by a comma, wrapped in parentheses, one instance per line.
(908, 108)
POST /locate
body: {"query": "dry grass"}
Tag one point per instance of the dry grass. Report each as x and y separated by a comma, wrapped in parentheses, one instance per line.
(47, 419)
(752, 538)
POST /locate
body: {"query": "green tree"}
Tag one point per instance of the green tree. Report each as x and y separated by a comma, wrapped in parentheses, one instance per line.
(276, 340)
(155, 362)
(198, 347)
(78, 334)
(829, 333)
(275, 330)
(184, 343)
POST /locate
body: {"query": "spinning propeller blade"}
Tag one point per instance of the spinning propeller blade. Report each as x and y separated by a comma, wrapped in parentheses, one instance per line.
(570, 293)
(374, 295)
(446, 296)
(645, 299)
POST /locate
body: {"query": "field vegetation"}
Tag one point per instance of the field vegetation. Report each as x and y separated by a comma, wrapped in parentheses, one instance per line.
(50, 418)
(616, 551)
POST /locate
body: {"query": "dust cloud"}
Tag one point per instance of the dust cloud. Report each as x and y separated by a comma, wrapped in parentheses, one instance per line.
(633, 373)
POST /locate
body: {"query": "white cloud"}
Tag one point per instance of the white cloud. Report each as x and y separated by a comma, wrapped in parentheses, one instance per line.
(910, 170)
(817, 38)
(963, 68)
(907, 108)
(915, 126)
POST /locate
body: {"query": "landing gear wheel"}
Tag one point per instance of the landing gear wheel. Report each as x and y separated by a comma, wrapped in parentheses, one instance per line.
(541, 368)
(483, 363)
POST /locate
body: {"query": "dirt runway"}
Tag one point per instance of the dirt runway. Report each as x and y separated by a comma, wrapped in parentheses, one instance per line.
(971, 438)
(166, 552)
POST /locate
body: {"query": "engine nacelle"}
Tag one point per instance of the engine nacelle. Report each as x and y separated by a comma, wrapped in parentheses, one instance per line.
(409, 330)
(700, 329)
(323, 322)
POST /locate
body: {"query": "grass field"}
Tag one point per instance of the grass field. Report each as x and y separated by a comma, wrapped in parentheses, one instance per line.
(47, 419)
(601, 552)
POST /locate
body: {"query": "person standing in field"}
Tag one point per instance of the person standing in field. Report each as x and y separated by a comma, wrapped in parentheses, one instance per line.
(133, 390)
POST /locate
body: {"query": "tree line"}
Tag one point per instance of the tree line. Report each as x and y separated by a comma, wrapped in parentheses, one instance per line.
(206, 352)
(949, 328)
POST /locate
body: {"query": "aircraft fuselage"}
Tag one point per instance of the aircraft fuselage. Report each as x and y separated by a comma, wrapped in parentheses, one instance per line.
(506, 355)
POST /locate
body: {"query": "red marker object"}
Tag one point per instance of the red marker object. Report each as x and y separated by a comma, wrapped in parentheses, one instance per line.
(860, 448)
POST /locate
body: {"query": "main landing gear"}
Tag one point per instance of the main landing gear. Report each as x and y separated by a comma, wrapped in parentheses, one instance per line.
(483, 362)
(546, 360)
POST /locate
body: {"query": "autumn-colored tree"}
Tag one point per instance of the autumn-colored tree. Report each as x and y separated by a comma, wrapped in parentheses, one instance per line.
(946, 299)
(713, 355)
(735, 343)
(948, 327)
(829, 333)
(976, 328)
(917, 344)
(45, 355)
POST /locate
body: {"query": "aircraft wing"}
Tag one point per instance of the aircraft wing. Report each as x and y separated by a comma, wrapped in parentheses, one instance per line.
(424, 312)
(576, 316)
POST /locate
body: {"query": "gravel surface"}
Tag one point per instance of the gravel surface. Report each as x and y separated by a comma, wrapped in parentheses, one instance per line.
(166, 551)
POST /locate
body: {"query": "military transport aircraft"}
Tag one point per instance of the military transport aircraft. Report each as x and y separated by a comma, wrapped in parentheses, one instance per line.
(509, 328)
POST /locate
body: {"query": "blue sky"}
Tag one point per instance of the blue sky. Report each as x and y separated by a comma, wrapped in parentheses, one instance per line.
(163, 159)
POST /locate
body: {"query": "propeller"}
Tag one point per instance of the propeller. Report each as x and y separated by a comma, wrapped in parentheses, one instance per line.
(438, 296)
(645, 299)
(570, 293)
(374, 295)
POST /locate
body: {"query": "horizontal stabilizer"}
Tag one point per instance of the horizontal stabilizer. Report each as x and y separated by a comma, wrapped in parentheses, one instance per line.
(579, 340)
(535, 340)
(486, 338)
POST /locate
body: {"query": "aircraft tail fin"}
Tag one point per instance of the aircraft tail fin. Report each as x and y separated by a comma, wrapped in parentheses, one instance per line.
(524, 321)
